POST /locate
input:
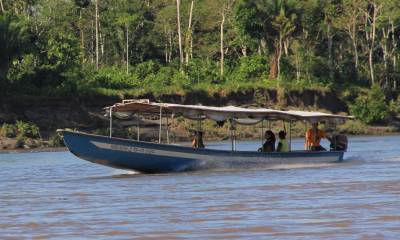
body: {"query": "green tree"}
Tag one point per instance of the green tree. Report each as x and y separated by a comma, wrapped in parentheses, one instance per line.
(270, 23)
(15, 40)
(371, 106)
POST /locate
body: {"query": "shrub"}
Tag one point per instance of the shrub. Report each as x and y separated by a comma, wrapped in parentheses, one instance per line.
(114, 78)
(146, 68)
(27, 130)
(8, 130)
(353, 127)
(158, 81)
(395, 106)
(251, 67)
(371, 107)
(202, 71)
(56, 140)
(20, 143)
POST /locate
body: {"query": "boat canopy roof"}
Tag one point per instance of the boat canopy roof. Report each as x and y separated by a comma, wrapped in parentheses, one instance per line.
(241, 115)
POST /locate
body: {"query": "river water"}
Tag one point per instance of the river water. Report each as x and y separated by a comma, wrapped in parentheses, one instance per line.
(58, 196)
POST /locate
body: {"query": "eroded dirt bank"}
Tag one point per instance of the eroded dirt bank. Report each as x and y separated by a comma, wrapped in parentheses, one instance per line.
(85, 113)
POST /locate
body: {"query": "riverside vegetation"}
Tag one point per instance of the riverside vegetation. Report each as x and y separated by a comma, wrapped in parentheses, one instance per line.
(127, 48)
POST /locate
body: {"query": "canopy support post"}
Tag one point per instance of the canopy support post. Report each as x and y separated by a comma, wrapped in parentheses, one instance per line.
(199, 123)
(290, 135)
(111, 122)
(167, 132)
(160, 130)
(138, 127)
(262, 132)
(172, 124)
(234, 140)
(305, 135)
(334, 135)
(233, 134)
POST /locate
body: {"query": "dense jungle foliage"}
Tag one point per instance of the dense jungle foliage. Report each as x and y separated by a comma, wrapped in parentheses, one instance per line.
(131, 47)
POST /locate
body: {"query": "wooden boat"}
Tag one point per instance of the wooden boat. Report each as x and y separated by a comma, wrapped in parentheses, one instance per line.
(148, 157)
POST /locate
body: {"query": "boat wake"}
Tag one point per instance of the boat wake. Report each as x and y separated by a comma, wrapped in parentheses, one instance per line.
(392, 159)
(372, 158)
(229, 166)
(123, 172)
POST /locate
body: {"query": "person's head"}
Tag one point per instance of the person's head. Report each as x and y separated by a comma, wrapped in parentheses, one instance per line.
(282, 134)
(269, 135)
(315, 125)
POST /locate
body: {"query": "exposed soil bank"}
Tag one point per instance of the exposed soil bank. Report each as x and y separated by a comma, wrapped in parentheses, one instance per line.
(86, 113)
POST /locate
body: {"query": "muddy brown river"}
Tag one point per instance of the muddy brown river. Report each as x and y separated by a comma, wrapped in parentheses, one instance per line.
(58, 196)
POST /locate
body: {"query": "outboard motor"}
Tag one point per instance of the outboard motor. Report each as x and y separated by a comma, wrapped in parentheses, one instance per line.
(339, 142)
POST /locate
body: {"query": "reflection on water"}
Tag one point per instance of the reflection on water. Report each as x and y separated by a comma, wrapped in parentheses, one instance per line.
(57, 196)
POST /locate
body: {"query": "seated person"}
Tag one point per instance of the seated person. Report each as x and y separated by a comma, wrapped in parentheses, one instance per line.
(283, 145)
(269, 144)
(339, 142)
(313, 138)
(197, 141)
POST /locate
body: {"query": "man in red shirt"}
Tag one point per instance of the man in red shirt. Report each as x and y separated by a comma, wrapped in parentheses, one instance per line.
(313, 138)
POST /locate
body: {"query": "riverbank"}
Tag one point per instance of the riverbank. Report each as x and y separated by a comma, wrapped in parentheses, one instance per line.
(87, 114)
(180, 133)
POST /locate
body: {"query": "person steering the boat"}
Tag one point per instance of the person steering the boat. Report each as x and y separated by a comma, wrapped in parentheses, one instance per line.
(269, 144)
(283, 145)
(197, 141)
(313, 138)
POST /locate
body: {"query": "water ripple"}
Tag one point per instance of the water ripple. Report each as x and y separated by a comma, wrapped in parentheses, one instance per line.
(57, 196)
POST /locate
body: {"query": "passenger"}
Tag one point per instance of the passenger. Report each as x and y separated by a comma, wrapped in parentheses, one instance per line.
(197, 141)
(269, 144)
(313, 138)
(283, 145)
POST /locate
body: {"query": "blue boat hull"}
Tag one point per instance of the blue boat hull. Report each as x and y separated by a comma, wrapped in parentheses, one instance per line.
(149, 157)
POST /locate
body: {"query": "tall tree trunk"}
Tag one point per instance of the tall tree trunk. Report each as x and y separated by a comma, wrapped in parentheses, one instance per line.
(243, 49)
(394, 55)
(189, 36)
(166, 44)
(371, 66)
(178, 19)
(376, 10)
(127, 48)
(371, 49)
(279, 58)
(330, 43)
(297, 68)
(170, 46)
(385, 36)
(273, 71)
(286, 46)
(97, 34)
(394, 78)
(352, 30)
(2, 7)
(222, 43)
(263, 46)
(102, 42)
(191, 47)
(355, 55)
(82, 36)
(92, 45)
